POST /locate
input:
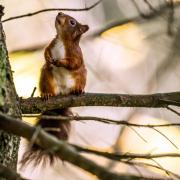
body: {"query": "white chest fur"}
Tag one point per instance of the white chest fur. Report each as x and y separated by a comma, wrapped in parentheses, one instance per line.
(63, 80)
(58, 51)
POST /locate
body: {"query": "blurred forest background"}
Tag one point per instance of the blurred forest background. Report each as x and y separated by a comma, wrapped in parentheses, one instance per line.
(132, 47)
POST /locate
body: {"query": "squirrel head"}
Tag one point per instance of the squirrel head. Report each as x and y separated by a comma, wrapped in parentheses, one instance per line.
(69, 28)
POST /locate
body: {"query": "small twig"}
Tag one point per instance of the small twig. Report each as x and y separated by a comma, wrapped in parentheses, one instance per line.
(174, 111)
(143, 15)
(126, 156)
(170, 102)
(150, 6)
(170, 20)
(99, 119)
(170, 4)
(51, 9)
(165, 137)
(154, 166)
(138, 134)
(138, 171)
(129, 156)
(160, 166)
(34, 90)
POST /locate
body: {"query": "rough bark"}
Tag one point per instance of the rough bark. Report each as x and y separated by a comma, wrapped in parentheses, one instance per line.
(159, 100)
(9, 143)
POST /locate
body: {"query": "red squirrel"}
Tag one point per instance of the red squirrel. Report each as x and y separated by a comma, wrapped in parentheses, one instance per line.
(63, 73)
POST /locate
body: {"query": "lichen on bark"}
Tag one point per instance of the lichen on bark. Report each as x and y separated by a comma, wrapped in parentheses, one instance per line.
(9, 143)
(2, 70)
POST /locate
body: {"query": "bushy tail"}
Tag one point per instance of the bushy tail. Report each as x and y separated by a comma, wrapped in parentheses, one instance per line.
(57, 128)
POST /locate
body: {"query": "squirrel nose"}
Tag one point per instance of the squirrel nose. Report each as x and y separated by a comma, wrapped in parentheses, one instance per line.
(60, 14)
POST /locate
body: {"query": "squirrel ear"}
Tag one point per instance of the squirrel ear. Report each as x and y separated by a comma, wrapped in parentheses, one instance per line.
(84, 28)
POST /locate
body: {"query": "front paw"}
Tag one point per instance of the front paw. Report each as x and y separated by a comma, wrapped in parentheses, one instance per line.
(46, 96)
(78, 91)
(52, 61)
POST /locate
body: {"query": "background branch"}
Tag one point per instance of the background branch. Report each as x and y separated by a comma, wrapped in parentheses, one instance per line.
(143, 15)
(120, 157)
(51, 9)
(153, 166)
(98, 119)
(60, 148)
(110, 121)
(70, 152)
(170, 20)
(159, 100)
(9, 174)
(150, 6)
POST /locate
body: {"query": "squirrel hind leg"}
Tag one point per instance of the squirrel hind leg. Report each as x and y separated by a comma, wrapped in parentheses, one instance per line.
(46, 83)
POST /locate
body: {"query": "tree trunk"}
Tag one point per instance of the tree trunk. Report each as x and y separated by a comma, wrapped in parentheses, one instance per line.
(9, 143)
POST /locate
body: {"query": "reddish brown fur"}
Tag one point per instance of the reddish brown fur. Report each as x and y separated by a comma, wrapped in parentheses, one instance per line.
(73, 60)
(46, 81)
(74, 64)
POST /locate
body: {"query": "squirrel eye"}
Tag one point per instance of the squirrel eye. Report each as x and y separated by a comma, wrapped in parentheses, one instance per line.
(72, 22)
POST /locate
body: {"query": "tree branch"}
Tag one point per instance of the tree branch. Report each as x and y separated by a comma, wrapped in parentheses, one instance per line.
(60, 148)
(153, 166)
(109, 121)
(99, 119)
(70, 153)
(159, 100)
(51, 9)
(9, 174)
(126, 156)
